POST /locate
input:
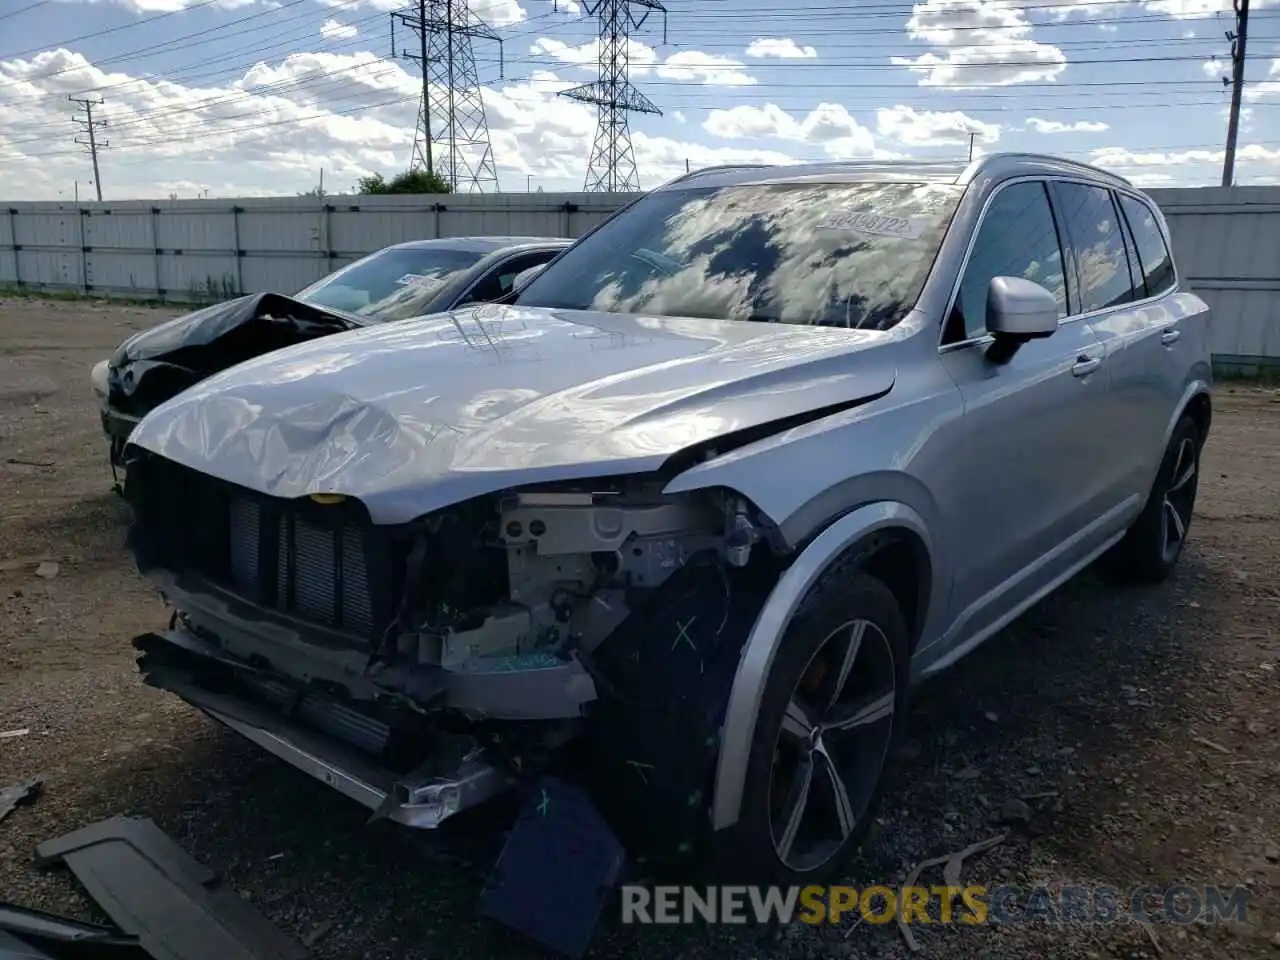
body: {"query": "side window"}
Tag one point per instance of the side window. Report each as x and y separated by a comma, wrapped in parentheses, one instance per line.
(1017, 238)
(1136, 283)
(1093, 226)
(1153, 253)
(497, 282)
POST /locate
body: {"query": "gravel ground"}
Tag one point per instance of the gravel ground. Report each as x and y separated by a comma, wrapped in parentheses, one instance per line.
(1148, 719)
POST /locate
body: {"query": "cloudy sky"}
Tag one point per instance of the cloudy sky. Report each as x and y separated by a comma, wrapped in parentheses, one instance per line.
(254, 97)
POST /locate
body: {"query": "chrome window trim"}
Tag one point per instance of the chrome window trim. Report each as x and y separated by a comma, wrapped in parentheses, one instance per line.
(1071, 318)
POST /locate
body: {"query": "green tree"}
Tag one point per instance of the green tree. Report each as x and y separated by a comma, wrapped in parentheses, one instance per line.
(411, 181)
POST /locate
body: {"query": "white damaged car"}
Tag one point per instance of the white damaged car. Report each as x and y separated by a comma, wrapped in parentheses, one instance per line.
(687, 519)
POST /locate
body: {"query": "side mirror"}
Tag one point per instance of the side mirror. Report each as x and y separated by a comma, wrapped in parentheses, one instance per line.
(524, 276)
(1018, 310)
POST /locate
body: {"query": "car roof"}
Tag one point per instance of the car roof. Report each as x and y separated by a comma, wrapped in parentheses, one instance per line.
(998, 165)
(483, 244)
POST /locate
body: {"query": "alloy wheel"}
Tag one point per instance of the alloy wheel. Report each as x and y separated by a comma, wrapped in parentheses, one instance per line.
(1179, 500)
(832, 745)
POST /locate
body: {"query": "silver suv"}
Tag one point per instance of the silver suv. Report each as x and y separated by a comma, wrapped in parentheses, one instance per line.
(687, 518)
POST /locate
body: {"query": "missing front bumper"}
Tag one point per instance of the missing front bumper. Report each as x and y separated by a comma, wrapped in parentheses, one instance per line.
(422, 799)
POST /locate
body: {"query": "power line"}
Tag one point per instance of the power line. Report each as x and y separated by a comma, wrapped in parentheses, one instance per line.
(452, 129)
(612, 166)
(102, 33)
(90, 126)
(21, 10)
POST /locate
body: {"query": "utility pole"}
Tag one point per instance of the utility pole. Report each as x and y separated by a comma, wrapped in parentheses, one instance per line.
(1237, 38)
(972, 137)
(90, 126)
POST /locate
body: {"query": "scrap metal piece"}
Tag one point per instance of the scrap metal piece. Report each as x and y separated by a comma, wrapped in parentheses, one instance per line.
(560, 863)
(27, 933)
(153, 890)
(16, 795)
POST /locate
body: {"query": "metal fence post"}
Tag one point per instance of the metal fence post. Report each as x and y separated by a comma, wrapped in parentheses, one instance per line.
(17, 250)
(235, 235)
(84, 253)
(155, 250)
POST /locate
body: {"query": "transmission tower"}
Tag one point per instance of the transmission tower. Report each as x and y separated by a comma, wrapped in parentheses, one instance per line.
(90, 126)
(452, 138)
(612, 167)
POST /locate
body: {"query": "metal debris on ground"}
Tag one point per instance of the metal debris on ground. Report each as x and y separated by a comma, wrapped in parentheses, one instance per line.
(155, 891)
(952, 864)
(560, 862)
(18, 794)
(27, 934)
(11, 734)
(1206, 742)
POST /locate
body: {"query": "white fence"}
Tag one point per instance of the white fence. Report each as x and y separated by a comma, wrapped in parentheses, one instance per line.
(1227, 242)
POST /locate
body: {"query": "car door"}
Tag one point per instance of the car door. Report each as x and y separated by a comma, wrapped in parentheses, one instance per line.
(1020, 500)
(1129, 324)
(496, 281)
(1157, 377)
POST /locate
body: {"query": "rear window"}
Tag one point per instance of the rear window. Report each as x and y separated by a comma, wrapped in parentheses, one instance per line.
(826, 254)
(392, 284)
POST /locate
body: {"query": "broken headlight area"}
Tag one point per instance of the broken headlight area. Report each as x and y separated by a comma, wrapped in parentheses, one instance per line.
(489, 634)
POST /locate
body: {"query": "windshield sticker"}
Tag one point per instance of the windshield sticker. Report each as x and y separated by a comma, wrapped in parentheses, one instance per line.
(416, 280)
(907, 228)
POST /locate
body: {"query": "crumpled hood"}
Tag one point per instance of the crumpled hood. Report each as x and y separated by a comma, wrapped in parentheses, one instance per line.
(202, 327)
(412, 416)
(162, 361)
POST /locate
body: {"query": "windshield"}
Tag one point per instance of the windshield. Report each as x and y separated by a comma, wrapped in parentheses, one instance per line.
(391, 284)
(829, 254)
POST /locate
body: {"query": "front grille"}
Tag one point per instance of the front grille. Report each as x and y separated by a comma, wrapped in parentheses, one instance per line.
(326, 565)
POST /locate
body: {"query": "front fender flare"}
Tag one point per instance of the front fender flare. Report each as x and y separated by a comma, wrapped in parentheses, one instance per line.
(766, 635)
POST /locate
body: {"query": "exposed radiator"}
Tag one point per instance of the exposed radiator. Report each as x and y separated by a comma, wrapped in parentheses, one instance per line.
(321, 572)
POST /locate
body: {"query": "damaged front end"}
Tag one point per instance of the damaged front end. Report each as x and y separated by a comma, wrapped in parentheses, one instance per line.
(420, 669)
(159, 363)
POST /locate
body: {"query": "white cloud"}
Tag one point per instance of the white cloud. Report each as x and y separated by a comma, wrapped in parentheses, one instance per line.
(929, 128)
(151, 7)
(678, 116)
(1121, 157)
(272, 130)
(333, 30)
(780, 48)
(687, 66)
(828, 125)
(1215, 67)
(1151, 180)
(981, 43)
(709, 69)
(1059, 126)
(496, 12)
(1268, 87)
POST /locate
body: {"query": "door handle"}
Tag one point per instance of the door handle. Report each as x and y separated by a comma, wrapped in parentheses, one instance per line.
(1085, 365)
(1169, 336)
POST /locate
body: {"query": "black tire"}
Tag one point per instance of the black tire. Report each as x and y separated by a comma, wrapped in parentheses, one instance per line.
(1150, 551)
(747, 852)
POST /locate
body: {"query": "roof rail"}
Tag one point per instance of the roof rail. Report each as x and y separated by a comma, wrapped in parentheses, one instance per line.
(717, 168)
(1049, 158)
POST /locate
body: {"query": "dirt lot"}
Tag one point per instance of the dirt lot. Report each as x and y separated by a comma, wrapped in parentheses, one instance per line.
(1147, 721)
